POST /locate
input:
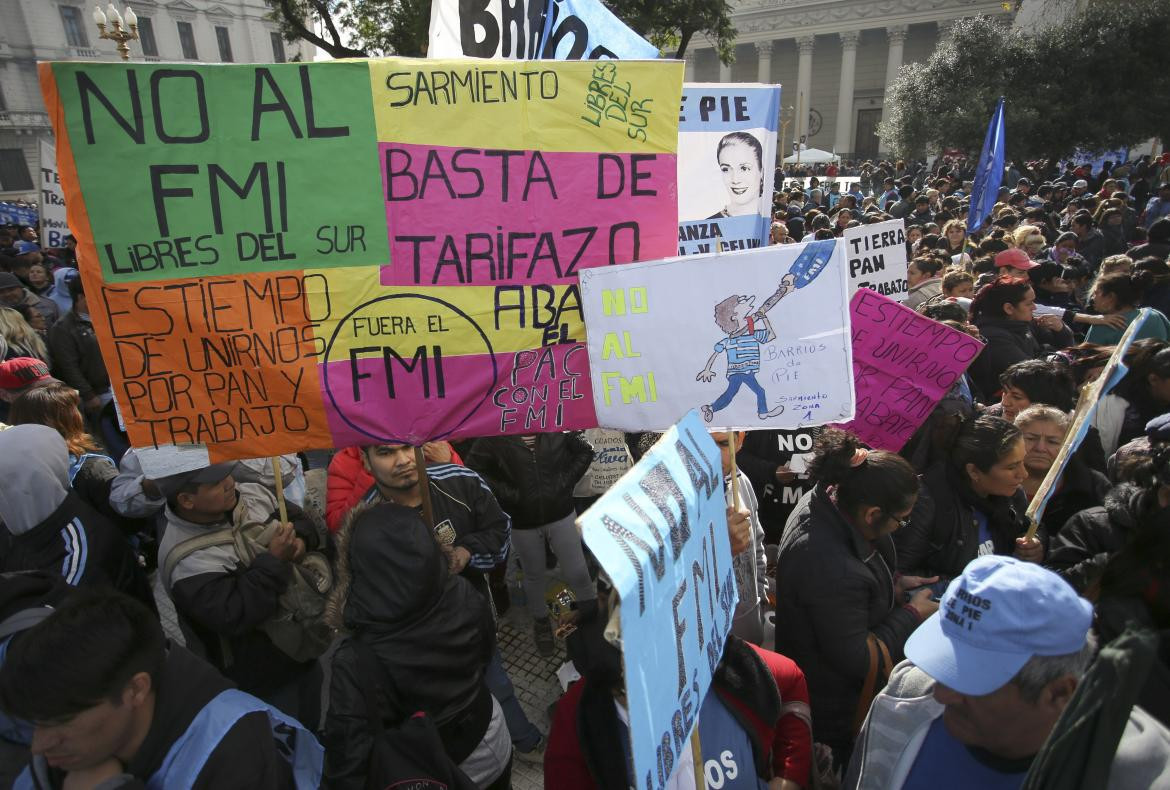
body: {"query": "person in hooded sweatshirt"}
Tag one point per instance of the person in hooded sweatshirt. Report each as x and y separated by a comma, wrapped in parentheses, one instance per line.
(50, 527)
(431, 640)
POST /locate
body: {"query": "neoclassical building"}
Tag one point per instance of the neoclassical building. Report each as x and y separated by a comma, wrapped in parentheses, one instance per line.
(838, 55)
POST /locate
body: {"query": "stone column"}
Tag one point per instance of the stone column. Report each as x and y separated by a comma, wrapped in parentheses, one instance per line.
(842, 142)
(764, 69)
(896, 34)
(897, 37)
(804, 46)
(724, 72)
(689, 67)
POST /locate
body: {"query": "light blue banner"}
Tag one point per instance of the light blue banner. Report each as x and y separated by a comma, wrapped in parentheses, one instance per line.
(586, 29)
(726, 166)
(661, 536)
(1115, 370)
(714, 108)
(722, 234)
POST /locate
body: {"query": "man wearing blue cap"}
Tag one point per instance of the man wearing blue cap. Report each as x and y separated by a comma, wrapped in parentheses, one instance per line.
(985, 680)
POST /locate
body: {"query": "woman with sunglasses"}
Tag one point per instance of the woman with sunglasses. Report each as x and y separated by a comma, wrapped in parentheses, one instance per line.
(836, 582)
(971, 504)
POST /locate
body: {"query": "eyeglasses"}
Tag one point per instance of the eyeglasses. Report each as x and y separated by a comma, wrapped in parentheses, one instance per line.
(901, 522)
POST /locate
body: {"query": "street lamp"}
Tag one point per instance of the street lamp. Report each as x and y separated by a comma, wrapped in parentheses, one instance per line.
(786, 116)
(119, 33)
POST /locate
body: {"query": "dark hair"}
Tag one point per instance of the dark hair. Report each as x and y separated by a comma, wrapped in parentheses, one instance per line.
(944, 311)
(1155, 266)
(1082, 359)
(982, 441)
(1042, 381)
(991, 247)
(1145, 357)
(1127, 288)
(883, 479)
(1159, 232)
(1045, 270)
(76, 288)
(993, 297)
(82, 654)
(742, 138)
(928, 265)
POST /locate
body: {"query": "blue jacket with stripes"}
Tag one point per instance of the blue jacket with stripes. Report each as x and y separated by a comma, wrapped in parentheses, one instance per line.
(81, 545)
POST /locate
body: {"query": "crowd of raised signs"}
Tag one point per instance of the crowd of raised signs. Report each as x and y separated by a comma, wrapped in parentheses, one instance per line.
(900, 624)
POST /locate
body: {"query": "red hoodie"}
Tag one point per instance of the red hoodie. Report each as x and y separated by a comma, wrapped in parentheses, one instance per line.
(348, 481)
(565, 767)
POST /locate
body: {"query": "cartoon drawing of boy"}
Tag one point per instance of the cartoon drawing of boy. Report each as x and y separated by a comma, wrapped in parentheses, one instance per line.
(745, 330)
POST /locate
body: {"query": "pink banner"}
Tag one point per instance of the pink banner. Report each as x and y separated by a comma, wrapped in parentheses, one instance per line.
(903, 365)
(467, 216)
(540, 390)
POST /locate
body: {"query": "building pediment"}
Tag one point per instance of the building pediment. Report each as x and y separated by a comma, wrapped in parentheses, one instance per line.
(762, 17)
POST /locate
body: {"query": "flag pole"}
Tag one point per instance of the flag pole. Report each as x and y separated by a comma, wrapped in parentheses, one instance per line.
(280, 503)
(424, 487)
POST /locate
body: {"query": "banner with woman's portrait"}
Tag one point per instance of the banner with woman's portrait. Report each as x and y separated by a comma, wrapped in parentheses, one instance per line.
(726, 161)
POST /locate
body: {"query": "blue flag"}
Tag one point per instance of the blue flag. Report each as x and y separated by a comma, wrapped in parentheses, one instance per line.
(989, 174)
(586, 29)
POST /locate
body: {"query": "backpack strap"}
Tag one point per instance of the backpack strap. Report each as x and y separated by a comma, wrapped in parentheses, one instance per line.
(879, 662)
(184, 549)
(24, 620)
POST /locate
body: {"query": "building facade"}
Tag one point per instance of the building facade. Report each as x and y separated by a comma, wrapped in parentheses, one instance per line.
(225, 31)
(834, 58)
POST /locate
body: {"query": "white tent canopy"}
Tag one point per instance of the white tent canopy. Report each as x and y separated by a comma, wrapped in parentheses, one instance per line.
(813, 156)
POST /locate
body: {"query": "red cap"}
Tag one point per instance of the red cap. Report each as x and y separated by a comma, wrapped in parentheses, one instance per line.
(22, 372)
(1015, 258)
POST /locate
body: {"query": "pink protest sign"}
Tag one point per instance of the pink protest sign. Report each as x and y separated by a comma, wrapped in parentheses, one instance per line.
(903, 364)
(468, 216)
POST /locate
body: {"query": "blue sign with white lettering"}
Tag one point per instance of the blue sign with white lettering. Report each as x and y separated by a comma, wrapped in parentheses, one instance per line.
(661, 535)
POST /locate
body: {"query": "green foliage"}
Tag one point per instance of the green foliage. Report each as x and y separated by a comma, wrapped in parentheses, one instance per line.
(361, 28)
(1099, 81)
(356, 28)
(671, 24)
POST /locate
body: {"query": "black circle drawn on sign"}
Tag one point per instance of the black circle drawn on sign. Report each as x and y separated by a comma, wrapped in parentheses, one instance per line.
(333, 339)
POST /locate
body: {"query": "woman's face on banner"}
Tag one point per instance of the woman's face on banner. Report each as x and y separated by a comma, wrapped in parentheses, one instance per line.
(741, 176)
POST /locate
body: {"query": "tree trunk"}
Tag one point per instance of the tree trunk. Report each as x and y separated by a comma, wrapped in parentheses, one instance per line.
(683, 41)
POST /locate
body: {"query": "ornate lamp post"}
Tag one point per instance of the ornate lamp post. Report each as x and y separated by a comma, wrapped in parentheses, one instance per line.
(119, 33)
(786, 116)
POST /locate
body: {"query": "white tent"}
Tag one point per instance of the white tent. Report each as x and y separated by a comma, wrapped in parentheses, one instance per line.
(813, 156)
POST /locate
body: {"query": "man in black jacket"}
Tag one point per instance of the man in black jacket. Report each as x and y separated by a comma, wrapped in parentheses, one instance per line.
(475, 535)
(533, 477)
(114, 704)
(77, 359)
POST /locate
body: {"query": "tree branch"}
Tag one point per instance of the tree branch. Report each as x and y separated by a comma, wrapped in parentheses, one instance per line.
(336, 48)
(327, 18)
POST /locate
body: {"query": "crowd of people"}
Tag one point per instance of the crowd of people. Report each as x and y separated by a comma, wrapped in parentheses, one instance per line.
(901, 622)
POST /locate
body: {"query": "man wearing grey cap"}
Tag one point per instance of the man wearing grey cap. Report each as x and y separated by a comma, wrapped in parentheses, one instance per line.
(227, 601)
(984, 682)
